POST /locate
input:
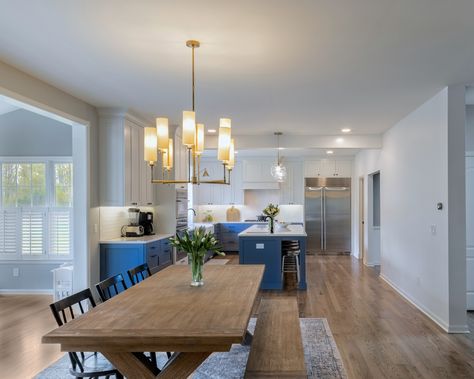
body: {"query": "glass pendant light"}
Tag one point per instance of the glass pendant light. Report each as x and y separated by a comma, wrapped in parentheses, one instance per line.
(278, 171)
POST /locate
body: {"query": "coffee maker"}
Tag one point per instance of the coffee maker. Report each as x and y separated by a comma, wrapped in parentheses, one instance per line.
(146, 220)
(133, 229)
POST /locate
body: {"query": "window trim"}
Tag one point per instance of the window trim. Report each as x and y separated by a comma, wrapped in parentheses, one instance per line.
(47, 209)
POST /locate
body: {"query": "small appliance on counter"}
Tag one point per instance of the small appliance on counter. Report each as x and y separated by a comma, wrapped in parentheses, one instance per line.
(133, 229)
(146, 220)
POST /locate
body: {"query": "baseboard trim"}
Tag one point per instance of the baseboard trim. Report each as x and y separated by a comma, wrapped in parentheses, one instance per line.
(26, 292)
(441, 323)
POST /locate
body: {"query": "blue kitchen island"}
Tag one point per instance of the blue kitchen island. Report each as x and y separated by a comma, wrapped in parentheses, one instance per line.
(258, 246)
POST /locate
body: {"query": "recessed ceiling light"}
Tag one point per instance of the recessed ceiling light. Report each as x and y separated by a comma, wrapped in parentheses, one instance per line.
(346, 130)
(339, 140)
(329, 152)
(211, 130)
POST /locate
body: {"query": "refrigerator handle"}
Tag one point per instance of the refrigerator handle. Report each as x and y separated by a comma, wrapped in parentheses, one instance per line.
(324, 218)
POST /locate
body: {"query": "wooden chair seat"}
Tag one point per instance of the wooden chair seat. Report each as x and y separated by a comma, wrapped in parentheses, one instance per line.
(277, 347)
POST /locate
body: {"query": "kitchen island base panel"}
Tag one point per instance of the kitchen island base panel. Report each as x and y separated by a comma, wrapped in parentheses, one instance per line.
(267, 250)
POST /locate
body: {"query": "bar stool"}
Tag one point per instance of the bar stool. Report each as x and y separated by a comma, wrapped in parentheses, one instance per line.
(290, 262)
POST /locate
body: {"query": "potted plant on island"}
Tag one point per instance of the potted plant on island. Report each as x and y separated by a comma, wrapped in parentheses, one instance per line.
(196, 243)
(271, 211)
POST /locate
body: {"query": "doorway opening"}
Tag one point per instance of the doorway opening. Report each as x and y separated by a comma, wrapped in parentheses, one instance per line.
(361, 219)
(372, 256)
(78, 201)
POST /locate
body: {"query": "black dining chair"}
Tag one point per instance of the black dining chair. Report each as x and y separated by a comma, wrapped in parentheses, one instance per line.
(139, 273)
(83, 365)
(110, 287)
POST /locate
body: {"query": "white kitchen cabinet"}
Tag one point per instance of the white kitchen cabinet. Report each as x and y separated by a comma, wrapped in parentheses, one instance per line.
(328, 168)
(257, 174)
(123, 178)
(292, 190)
(218, 194)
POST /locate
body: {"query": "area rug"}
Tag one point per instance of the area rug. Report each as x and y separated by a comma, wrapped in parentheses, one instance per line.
(321, 355)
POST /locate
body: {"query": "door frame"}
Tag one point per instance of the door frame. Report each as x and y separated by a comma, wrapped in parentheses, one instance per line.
(361, 218)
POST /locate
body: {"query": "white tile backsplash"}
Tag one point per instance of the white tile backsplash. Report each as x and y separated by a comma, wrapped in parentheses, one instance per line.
(288, 213)
(113, 218)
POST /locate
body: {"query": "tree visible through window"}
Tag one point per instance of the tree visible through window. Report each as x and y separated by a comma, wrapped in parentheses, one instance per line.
(35, 209)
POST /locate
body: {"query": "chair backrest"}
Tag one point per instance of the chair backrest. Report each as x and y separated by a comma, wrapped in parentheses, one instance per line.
(110, 287)
(139, 273)
(60, 307)
(72, 303)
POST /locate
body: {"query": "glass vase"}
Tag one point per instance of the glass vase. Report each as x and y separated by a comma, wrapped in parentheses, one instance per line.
(271, 225)
(197, 264)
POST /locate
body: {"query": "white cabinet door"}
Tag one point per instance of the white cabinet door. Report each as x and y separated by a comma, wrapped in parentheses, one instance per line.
(127, 178)
(328, 168)
(135, 164)
(470, 231)
(252, 171)
(236, 184)
(343, 168)
(291, 191)
(312, 169)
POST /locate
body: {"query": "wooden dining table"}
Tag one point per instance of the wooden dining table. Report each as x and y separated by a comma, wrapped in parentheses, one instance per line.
(164, 313)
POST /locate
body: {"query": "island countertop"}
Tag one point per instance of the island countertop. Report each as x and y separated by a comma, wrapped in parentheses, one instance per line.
(263, 231)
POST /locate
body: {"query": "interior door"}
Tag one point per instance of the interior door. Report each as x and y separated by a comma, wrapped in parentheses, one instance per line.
(337, 212)
(313, 218)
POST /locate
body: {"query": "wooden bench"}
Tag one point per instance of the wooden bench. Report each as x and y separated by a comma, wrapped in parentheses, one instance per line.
(277, 347)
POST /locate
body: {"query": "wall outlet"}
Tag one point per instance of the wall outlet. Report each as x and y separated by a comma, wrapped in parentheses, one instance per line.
(16, 272)
(96, 228)
(433, 230)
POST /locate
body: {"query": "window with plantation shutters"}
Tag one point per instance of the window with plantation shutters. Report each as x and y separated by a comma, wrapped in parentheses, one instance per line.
(8, 226)
(60, 232)
(36, 208)
(32, 233)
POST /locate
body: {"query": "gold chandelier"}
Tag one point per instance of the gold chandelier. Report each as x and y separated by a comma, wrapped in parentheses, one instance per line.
(157, 141)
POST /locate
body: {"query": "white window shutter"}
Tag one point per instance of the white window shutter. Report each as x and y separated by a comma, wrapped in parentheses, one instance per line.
(8, 223)
(60, 232)
(32, 232)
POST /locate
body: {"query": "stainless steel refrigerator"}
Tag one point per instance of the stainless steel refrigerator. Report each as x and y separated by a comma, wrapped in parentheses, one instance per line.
(328, 215)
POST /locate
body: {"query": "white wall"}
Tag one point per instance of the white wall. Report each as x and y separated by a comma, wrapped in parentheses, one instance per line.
(24, 133)
(421, 164)
(25, 88)
(470, 205)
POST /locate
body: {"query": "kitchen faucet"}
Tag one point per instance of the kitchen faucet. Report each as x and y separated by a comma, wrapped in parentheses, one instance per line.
(192, 209)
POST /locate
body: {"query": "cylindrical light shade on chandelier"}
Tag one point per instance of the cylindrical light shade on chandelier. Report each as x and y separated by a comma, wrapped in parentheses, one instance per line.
(225, 123)
(223, 141)
(199, 146)
(231, 161)
(189, 128)
(162, 132)
(150, 151)
(169, 160)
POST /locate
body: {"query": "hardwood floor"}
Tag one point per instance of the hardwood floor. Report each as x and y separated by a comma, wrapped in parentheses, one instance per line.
(24, 319)
(378, 333)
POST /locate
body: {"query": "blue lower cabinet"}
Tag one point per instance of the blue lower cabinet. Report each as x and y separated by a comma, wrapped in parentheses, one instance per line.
(119, 258)
(228, 235)
(263, 251)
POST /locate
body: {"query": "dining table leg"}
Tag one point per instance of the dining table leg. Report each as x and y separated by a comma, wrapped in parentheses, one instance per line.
(180, 365)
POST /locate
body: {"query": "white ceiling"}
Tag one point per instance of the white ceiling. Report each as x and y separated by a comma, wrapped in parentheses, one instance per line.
(305, 67)
(288, 153)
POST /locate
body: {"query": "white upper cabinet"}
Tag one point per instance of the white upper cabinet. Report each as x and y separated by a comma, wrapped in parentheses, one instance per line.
(292, 190)
(257, 174)
(214, 194)
(328, 168)
(125, 178)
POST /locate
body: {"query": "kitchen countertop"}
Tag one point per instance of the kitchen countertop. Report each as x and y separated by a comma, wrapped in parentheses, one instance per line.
(262, 231)
(143, 239)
